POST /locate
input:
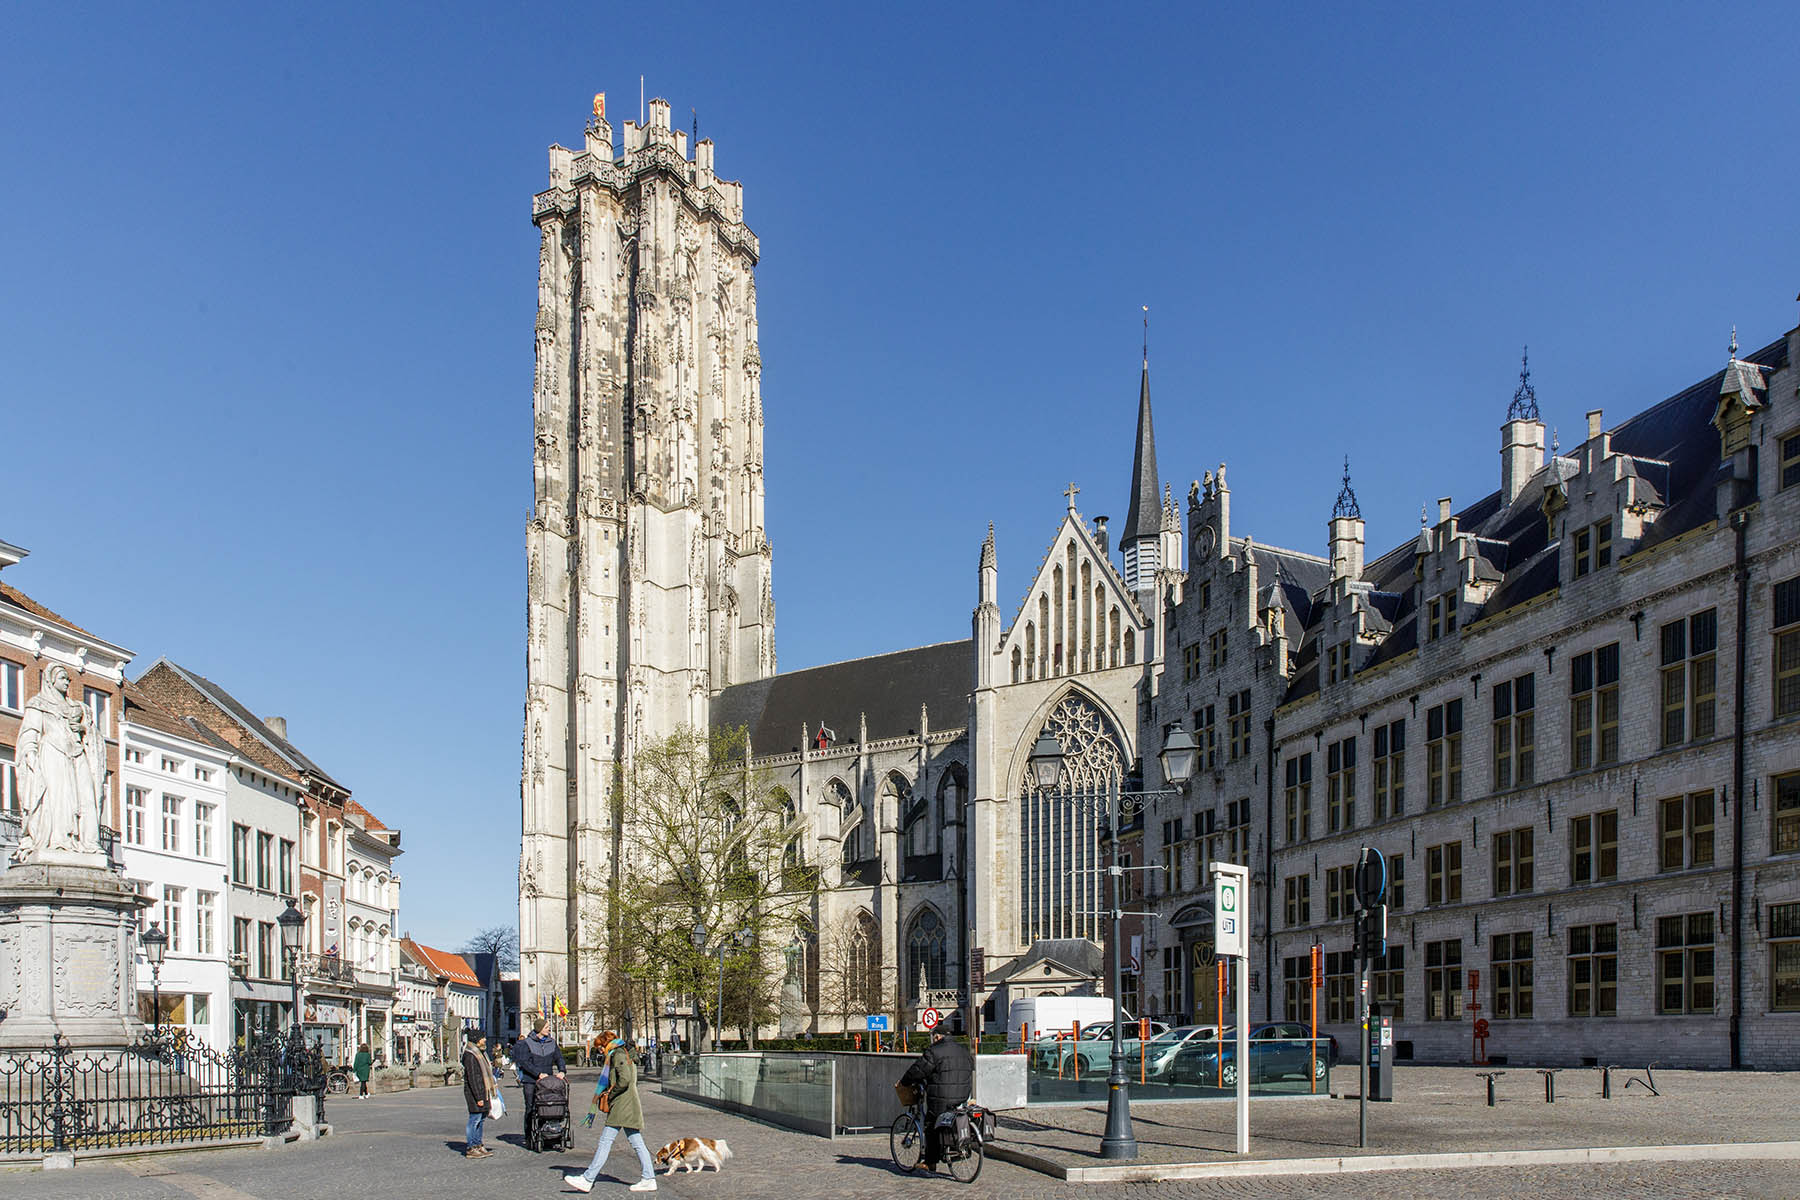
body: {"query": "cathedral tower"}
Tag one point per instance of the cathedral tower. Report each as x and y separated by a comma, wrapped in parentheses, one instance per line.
(648, 571)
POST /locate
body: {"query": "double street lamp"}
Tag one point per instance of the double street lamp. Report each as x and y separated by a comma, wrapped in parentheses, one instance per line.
(1178, 756)
(293, 928)
(742, 937)
(156, 945)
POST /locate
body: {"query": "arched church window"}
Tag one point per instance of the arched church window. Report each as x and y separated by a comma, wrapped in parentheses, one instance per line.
(1054, 636)
(1087, 614)
(1015, 664)
(917, 828)
(1043, 624)
(1130, 647)
(953, 794)
(1113, 636)
(925, 950)
(1059, 829)
(862, 967)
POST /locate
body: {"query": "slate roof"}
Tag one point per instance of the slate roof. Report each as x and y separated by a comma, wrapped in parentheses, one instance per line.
(1671, 446)
(250, 721)
(888, 688)
(1077, 955)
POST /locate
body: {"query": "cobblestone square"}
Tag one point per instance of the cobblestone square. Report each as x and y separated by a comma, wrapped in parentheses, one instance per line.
(408, 1145)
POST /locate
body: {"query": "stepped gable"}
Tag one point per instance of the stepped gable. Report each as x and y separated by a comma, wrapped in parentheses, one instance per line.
(886, 689)
(1671, 446)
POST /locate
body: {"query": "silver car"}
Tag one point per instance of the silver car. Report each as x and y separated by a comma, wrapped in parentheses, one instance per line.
(1155, 1057)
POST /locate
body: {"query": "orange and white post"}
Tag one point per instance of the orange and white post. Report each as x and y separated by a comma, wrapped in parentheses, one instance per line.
(1318, 977)
(1224, 966)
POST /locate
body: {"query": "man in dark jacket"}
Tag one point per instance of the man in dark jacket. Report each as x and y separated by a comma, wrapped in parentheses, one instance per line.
(534, 1055)
(477, 1094)
(947, 1074)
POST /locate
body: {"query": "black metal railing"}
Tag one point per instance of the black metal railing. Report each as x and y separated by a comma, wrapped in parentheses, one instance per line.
(164, 1090)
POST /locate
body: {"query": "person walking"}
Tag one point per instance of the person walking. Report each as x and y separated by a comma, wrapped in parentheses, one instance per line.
(947, 1074)
(361, 1065)
(535, 1055)
(478, 1093)
(624, 1111)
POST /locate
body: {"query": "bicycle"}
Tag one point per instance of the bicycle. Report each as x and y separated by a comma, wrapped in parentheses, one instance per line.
(962, 1155)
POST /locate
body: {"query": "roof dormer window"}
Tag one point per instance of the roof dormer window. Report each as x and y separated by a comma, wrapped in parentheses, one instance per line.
(1440, 616)
(1593, 547)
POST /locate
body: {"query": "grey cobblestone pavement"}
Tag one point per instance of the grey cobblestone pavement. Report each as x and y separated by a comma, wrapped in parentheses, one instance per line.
(1439, 1109)
(408, 1145)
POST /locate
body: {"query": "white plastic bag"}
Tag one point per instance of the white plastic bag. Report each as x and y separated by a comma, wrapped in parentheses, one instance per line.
(499, 1105)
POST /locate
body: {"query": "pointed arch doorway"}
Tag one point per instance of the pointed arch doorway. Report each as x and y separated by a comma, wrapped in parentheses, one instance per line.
(1193, 925)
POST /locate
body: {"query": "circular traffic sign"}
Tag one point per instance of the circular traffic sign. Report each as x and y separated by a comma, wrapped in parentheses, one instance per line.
(1481, 1027)
(930, 1018)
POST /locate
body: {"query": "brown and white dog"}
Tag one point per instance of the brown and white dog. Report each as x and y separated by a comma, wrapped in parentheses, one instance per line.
(693, 1154)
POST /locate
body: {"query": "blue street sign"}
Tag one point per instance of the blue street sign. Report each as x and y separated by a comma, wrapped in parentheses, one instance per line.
(878, 1024)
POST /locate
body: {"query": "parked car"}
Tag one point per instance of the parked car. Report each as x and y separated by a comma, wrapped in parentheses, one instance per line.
(1277, 1050)
(1153, 1058)
(1093, 1049)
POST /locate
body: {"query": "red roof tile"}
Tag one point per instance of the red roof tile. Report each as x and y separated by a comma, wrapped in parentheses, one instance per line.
(442, 962)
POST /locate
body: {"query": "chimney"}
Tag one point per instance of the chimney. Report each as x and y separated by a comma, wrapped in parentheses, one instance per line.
(1346, 548)
(277, 726)
(1521, 456)
(1443, 509)
(1594, 424)
(1100, 534)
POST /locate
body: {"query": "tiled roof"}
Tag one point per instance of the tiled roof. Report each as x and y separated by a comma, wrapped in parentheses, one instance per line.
(13, 596)
(139, 710)
(243, 716)
(354, 809)
(442, 962)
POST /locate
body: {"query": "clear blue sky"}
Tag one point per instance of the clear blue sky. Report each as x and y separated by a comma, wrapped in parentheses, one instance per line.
(265, 324)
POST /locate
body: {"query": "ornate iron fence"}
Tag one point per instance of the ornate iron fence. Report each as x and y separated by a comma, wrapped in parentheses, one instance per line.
(162, 1091)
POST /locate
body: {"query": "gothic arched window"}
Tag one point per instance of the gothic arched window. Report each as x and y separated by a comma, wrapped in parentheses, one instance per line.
(953, 793)
(1059, 829)
(917, 828)
(862, 967)
(925, 950)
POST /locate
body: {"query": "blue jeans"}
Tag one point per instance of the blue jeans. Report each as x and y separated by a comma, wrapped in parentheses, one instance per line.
(605, 1147)
(474, 1137)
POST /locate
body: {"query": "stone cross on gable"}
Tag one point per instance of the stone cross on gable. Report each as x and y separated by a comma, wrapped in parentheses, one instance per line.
(1070, 493)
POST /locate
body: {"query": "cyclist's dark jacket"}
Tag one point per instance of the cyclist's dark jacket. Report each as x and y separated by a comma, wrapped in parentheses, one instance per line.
(947, 1073)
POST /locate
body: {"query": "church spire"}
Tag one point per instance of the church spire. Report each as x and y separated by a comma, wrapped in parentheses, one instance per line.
(1143, 519)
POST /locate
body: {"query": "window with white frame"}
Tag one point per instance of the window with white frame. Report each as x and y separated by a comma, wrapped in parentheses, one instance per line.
(1340, 785)
(1593, 547)
(171, 766)
(171, 823)
(137, 815)
(206, 920)
(9, 780)
(1594, 708)
(171, 916)
(99, 704)
(1515, 733)
(203, 828)
(12, 685)
(203, 774)
(1443, 753)
(1390, 770)
(133, 755)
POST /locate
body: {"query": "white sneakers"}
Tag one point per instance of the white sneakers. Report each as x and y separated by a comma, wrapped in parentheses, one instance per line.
(582, 1185)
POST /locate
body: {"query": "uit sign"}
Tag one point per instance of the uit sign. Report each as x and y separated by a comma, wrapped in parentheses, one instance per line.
(1231, 910)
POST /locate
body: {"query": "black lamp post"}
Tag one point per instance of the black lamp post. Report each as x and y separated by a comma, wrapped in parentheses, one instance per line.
(742, 937)
(156, 944)
(293, 927)
(1178, 758)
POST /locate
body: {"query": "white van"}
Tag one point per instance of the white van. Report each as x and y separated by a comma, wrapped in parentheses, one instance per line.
(1050, 1015)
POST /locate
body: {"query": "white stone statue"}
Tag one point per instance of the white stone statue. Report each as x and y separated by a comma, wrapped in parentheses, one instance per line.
(62, 769)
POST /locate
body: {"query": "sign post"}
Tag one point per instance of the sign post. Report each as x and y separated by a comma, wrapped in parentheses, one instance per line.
(1318, 975)
(1231, 938)
(1371, 943)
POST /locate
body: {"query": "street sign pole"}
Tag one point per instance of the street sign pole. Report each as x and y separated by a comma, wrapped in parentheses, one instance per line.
(1231, 936)
(1371, 928)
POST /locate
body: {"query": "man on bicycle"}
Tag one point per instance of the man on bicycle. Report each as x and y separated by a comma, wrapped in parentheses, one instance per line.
(947, 1074)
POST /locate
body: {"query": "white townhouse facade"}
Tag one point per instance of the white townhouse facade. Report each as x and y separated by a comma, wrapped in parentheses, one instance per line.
(371, 914)
(173, 841)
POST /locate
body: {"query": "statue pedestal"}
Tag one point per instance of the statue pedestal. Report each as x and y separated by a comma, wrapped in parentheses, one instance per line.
(66, 957)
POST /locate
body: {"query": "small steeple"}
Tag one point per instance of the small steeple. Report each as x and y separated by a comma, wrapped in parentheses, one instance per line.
(987, 550)
(1524, 406)
(1143, 518)
(1346, 502)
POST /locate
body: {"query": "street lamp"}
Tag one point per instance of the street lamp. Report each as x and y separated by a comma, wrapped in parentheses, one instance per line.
(1178, 758)
(293, 926)
(156, 944)
(742, 937)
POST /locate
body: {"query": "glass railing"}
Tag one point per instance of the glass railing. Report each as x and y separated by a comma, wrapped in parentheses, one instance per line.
(1076, 1071)
(796, 1091)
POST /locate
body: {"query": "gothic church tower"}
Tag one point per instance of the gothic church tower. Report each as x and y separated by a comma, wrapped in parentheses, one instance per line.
(648, 571)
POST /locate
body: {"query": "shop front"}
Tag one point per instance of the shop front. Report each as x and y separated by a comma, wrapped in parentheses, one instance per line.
(328, 1027)
(259, 1010)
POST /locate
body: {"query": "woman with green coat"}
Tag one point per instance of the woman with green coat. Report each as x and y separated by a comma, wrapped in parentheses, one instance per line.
(624, 1111)
(361, 1064)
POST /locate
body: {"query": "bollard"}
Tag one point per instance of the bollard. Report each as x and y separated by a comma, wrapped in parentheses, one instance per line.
(1490, 1076)
(1606, 1083)
(1549, 1083)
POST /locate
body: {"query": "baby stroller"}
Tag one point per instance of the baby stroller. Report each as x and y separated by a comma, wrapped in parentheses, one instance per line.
(547, 1123)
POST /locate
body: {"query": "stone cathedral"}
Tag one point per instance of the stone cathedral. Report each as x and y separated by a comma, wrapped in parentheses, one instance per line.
(650, 607)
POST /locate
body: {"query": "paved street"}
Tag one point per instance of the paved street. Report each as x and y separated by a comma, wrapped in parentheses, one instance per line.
(408, 1145)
